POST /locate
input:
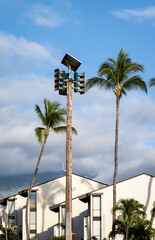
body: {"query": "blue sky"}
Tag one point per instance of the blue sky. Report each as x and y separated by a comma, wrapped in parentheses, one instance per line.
(34, 37)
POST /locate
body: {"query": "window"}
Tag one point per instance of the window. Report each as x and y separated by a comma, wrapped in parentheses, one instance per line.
(11, 206)
(11, 212)
(33, 220)
(96, 206)
(63, 215)
(63, 219)
(97, 216)
(97, 228)
(32, 236)
(11, 220)
(33, 215)
(33, 201)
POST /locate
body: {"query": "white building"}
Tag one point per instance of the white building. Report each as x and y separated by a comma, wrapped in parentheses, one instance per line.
(44, 222)
(91, 206)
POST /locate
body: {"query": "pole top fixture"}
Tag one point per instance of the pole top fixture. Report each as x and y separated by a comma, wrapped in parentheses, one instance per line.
(71, 62)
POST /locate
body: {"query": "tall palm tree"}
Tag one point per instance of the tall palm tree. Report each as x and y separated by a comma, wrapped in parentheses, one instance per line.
(51, 119)
(129, 212)
(118, 75)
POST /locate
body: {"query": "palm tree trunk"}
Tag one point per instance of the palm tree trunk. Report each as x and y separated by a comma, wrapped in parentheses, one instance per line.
(151, 220)
(127, 232)
(116, 155)
(30, 189)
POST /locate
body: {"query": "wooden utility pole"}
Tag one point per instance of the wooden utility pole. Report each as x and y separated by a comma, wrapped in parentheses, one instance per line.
(60, 84)
(69, 160)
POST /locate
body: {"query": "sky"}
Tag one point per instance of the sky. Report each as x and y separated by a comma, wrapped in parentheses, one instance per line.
(34, 37)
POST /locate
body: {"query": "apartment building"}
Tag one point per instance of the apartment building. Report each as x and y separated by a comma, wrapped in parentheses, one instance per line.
(91, 206)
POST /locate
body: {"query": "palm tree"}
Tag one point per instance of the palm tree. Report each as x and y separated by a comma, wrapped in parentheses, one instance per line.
(129, 213)
(12, 233)
(142, 230)
(118, 75)
(51, 119)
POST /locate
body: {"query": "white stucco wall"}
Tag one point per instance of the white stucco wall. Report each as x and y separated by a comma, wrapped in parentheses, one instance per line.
(141, 188)
(53, 193)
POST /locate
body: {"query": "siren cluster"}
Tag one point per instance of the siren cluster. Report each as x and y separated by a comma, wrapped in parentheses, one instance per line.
(61, 78)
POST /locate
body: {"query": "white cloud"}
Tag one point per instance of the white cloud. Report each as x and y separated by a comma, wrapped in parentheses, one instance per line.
(24, 89)
(137, 14)
(93, 148)
(95, 151)
(45, 16)
(20, 54)
(20, 46)
(93, 117)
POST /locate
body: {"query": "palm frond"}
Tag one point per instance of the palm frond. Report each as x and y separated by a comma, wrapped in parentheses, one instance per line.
(40, 133)
(133, 68)
(106, 68)
(57, 118)
(123, 92)
(96, 81)
(112, 62)
(122, 57)
(74, 131)
(113, 73)
(152, 82)
(135, 82)
(50, 109)
(54, 106)
(53, 114)
(63, 129)
(46, 107)
(40, 114)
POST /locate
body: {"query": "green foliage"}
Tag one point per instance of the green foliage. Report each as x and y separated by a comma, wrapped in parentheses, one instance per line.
(51, 119)
(118, 75)
(12, 233)
(131, 221)
(57, 238)
(142, 230)
(94, 238)
(152, 82)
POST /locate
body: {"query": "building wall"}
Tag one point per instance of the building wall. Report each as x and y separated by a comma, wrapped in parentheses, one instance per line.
(47, 219)
(19, 203)
(49, 194)
(141, 188)
(52, 193)
(2, 209)
(80, 210)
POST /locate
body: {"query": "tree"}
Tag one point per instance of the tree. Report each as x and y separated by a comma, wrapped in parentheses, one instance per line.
(118, 75)
(130, 212)
(12, 233)
(142, 230)
(51, 119)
